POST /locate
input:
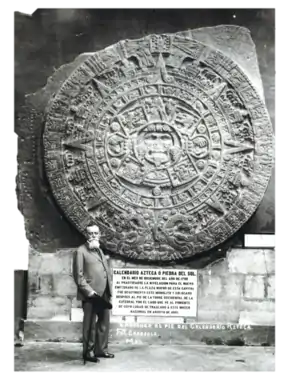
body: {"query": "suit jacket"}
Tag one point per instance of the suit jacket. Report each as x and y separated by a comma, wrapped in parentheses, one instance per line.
(90, 272)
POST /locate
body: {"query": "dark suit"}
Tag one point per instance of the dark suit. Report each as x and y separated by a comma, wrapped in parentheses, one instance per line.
(91, 273)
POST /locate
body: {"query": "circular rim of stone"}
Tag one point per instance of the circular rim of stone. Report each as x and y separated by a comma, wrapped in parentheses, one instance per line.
(232, 220)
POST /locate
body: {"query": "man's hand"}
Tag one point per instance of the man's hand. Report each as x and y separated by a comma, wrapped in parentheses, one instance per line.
(93, 297)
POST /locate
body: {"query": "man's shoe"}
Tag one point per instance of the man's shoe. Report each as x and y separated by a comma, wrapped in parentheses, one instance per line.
(90, 358)
(105, 355)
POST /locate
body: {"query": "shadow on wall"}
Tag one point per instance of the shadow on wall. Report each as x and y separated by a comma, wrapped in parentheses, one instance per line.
(14, 101)
(15, 287)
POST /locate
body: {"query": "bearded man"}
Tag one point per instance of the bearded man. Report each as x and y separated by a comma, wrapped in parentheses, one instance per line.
(92, 277)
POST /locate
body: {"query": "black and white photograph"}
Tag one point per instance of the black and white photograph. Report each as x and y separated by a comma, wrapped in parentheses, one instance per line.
(145, 184)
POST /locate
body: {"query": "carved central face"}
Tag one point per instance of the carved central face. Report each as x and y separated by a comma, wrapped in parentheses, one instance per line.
(157, 147)
(156, 144)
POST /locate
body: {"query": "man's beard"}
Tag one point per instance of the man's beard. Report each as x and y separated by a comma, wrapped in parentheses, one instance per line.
(93, 244)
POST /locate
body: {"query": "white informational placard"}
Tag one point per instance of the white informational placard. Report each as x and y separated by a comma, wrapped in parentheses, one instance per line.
(259, 240)
(154, 292)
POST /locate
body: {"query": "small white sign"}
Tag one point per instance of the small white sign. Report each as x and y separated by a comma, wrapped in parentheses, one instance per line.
(259, 240)
(154, 292)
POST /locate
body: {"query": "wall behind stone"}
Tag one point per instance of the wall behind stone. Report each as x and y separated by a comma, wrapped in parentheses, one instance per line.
(51, 38)
(238, 288)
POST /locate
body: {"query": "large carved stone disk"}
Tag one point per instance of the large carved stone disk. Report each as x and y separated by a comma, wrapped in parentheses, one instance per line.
(163, 142)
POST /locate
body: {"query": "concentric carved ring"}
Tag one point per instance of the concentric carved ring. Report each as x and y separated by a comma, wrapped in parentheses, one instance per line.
(163, 142)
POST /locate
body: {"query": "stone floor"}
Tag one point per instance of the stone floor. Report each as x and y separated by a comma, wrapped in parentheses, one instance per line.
(45, 356)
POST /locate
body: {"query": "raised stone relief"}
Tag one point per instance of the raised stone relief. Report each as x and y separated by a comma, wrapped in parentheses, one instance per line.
(163, 142)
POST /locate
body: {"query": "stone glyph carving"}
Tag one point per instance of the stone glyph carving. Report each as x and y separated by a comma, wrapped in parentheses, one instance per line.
(163, 142)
